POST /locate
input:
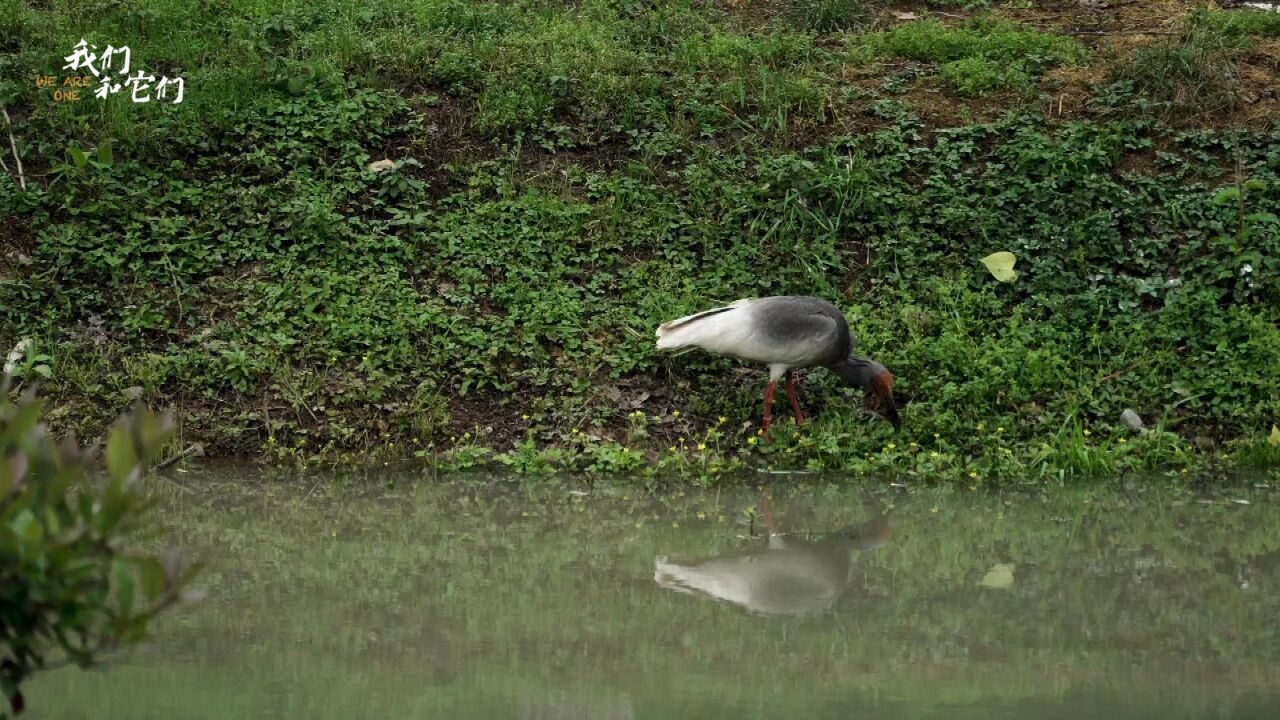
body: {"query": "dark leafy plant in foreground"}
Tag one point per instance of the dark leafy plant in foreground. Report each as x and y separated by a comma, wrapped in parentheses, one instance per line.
(71, 589)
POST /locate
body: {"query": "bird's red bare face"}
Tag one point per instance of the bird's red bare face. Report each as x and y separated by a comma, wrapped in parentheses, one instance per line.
(883, 384)
(882, 388)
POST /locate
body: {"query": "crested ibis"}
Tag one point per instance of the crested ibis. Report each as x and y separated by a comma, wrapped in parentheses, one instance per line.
(783, 332)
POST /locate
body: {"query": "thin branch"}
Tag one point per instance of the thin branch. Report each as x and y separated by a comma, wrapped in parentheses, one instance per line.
(192, 450)
(22, 179)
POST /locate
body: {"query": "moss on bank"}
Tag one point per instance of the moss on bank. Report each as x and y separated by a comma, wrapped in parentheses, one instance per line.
(566, 178)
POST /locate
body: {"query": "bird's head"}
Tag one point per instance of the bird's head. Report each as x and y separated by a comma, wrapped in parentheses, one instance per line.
(876, 380)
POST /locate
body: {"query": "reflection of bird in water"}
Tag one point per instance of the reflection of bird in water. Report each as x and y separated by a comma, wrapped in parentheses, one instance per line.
(789, 576)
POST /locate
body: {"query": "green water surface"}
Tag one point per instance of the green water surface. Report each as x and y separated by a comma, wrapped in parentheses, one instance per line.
(400, 595)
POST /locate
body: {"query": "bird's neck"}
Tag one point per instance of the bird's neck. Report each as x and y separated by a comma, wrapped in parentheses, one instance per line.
(856, 371)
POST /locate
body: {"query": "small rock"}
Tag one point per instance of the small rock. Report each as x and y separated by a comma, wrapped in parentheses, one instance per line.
(132, 393)
(635, 402)
(382, 165)
(1132, 420)
(905, 15)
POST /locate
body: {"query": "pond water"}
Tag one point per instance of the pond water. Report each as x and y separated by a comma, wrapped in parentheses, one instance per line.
(401, 595)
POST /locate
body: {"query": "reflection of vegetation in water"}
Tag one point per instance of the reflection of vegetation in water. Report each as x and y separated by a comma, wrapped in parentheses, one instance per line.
(459, 599)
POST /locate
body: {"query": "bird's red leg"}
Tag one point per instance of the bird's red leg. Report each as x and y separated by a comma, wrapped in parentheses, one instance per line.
(768, 404)
(791, 393)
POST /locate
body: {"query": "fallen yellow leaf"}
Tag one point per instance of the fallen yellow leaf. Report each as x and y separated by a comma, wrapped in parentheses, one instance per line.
(999, 577)
(1001, 266)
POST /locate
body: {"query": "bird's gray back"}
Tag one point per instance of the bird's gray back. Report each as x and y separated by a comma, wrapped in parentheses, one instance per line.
(794, 320)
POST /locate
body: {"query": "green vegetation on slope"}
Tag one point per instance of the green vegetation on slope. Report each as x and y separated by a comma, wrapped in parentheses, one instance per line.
(568, 177)
(979, 58)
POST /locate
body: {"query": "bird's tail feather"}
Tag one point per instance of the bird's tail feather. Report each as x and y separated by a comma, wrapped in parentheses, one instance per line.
(668, 337)
(674, 576)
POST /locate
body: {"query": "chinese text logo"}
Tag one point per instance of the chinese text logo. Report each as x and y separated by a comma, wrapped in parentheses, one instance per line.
(111, 68)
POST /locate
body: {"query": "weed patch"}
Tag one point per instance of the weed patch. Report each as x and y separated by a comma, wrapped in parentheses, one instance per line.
(1239, 24)
(979, 56)
(1193, 76)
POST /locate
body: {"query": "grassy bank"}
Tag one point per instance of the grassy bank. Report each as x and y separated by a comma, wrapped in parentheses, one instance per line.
(566, 177)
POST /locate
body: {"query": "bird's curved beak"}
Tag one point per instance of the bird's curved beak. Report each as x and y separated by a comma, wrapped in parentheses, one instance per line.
(891, 411)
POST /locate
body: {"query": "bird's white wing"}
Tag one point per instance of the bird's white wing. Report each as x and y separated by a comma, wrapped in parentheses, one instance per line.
(710, 329)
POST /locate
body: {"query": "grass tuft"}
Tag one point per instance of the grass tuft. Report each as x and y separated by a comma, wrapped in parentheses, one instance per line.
(1240, 23)
(1192, 76)
(829, 15)
(980, 56)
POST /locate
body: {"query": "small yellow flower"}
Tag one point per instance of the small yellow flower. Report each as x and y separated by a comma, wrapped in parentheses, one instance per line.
(752, 440)
(675, 413)
(982, 426)
(915, 444)
(723, 420)
(702, 446)
(999, 429)
(973, 474)
(671, 449)
(1123, 441)
(936, 436)
(524, 417)
(890, 446)
(1087, 432)
(933, 453)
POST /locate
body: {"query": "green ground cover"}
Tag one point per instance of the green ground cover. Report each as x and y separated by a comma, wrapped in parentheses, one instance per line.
(568, 176)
